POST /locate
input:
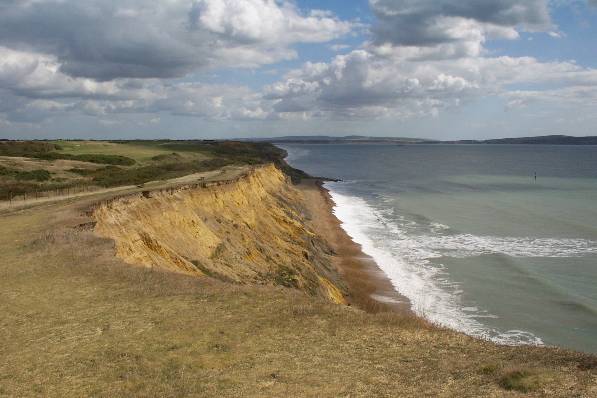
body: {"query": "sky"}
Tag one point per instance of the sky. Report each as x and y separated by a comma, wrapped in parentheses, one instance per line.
(182, 69)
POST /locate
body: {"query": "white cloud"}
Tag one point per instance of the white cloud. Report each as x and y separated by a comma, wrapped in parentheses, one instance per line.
(33, 88)
(394, 82)
(427, 22)
(108, 39)
(427, 56)
(107, 59)
(339, 47)
(266, 21)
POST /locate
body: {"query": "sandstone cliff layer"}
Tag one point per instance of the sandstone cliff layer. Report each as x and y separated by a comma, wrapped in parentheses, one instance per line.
(251, 230)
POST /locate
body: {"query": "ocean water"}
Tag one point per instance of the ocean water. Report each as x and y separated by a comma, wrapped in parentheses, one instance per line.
(471, 238)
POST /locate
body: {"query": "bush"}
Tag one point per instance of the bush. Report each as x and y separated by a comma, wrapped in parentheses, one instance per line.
(286, 277)
(115, 160)
(25, 148)
(520, 380)
(34, 175)
(81, 172)
(167, 157)
(114, 176)
(47, 151)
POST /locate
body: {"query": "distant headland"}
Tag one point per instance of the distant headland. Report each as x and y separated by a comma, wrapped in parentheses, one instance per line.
(358, 139)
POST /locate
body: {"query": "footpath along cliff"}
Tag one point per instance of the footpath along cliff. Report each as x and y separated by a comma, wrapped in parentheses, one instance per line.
(250, 230)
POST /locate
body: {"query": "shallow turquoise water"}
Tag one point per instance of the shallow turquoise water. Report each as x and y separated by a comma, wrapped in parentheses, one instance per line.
(469, 235)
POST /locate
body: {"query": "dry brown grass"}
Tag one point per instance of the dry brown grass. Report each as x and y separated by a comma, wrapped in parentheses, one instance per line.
(74, 321)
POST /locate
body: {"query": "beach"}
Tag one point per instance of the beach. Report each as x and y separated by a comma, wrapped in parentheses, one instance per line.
(369, 288)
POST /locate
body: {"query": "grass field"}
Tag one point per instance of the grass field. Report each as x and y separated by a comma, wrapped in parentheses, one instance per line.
(120, 163)
(141, 153)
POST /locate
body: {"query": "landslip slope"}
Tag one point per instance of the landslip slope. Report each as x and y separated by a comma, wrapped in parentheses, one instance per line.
(249, 230)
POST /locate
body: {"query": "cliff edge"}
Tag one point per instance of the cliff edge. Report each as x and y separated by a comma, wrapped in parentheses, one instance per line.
(250, 230)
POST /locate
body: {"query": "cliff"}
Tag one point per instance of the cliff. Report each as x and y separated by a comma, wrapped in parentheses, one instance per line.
(250, 230)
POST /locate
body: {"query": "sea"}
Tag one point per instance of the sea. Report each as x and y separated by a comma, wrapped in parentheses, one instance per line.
(496, 241)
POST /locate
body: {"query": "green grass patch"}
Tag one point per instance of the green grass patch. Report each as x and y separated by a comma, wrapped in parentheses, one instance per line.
(112, 176)
(141, 151)
(26, 148)
(489, 369)
(51, 151)
(167, 157)
(115, 160)
(33, 175)
(521, 380)
(134, 162)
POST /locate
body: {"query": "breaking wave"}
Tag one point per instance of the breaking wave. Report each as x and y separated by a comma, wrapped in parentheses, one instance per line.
(405, 257)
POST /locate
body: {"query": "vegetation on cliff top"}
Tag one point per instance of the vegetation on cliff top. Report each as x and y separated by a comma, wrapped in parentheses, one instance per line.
(120, 163)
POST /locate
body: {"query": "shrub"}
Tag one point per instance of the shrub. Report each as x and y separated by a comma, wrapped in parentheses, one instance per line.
(114, 176)
(520, 380)
(588, 363)
(34, 175)
(25, 148)
(286, 277)
(167, 157)
(115, 160)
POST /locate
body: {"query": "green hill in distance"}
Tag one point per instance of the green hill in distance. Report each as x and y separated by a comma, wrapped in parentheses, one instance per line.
(359, 139)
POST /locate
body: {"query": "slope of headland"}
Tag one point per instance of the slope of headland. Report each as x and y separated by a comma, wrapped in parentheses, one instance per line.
(90, 305)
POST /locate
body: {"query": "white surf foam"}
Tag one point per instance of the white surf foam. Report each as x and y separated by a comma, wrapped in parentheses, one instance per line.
(465, 245)
(294, 153)
(406, 261)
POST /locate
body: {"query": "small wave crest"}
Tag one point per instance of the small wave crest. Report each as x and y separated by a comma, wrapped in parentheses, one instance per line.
(294, 153)
(406, 260)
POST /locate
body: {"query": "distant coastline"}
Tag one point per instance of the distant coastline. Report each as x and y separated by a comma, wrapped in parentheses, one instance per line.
(539, 140)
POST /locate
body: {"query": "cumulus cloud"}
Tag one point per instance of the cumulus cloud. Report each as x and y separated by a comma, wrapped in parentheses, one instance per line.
(33, 88)
(454, 28)
(105, 58)
(106, 39)
(429, 22)
(428, 55)
(36, 75)
(370, 83)
(102, 57)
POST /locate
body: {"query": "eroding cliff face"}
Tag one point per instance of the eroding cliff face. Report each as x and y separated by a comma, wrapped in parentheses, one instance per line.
(251, 230)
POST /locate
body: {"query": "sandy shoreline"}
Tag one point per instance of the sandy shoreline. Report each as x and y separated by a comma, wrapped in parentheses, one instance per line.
(369, 288)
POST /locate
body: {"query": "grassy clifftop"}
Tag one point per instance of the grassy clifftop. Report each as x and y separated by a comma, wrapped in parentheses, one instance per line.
(76, 164)
(77, 320)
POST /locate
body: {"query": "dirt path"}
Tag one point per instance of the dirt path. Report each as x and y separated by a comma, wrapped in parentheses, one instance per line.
(222, 174)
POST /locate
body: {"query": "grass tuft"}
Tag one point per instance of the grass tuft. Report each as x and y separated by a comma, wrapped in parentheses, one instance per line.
(489, 369)
(589, 363)
(521, 380)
